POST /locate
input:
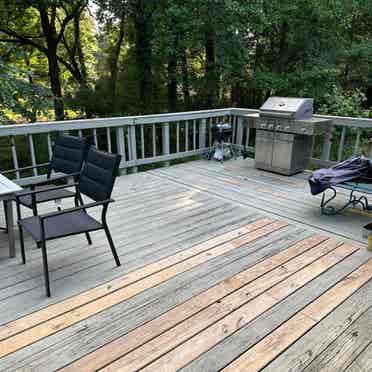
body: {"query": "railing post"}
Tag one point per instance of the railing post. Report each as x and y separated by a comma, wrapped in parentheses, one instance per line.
(202, 133)
(165, 141)
(133, 146)
(326, 151)
(121, 147)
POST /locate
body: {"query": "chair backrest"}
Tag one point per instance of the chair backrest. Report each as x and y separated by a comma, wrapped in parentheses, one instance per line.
(68, 154)
(98, 174)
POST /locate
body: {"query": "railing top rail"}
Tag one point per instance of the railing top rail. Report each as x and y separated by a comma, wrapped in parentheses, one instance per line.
(50, 126)
(338, 120)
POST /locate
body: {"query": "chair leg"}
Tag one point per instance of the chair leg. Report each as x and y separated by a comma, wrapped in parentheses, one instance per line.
(45, 267)
(77, 200)
(112, 246)
(21, 239)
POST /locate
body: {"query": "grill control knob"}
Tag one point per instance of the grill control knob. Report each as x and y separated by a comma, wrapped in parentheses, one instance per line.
(303, 130)
(263, 125)
(278, 127)
(270, 126)
(287, 127)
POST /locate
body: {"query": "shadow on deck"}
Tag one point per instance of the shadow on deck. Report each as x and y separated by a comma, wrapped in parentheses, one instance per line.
(214, 259)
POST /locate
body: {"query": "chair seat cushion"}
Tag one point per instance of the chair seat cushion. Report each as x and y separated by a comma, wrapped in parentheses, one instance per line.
(72, 223)
(46, 196)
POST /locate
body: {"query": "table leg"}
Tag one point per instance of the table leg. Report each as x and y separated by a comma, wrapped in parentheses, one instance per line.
(10, 227)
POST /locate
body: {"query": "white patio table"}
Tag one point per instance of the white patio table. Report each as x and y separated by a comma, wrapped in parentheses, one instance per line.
(7, 190)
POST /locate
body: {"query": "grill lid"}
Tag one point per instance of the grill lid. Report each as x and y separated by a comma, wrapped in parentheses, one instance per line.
(288, 107)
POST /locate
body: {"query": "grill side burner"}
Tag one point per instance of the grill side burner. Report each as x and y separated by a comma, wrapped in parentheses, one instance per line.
(285, 130)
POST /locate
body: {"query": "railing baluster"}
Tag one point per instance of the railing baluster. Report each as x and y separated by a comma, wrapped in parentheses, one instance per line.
(239, 131)
(95, 138)
(357, 141)
(120, 142)
(132, 145)
(153, 140)
(210, 131)
(233, 124)
(178, 137)
(32, 153)
(247, 133)
(194, 134)
(14, 156)
(108, 135)
(142, 142)
(341, 146)
(80, 133)
(202, 133)
(49, 142)
(165, 141)
(186, 135)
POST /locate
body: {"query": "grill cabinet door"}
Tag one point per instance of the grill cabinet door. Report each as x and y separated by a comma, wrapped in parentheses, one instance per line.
(282, 152)
(264, 148)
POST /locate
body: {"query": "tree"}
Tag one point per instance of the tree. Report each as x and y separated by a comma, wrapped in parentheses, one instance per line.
(50, 19)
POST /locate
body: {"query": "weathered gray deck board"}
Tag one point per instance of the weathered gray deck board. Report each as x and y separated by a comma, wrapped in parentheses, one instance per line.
(258, 190)
(342, 351)
(363, 362)
(165, 211)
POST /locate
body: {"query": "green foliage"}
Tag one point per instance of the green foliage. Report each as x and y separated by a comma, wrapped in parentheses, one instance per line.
(164, 55)
(19, 96)
(344, 103)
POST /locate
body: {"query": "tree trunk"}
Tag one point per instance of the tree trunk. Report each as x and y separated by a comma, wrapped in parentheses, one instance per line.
(185, 80)
(79, 49)
(33, 114)
(143, 57)
(210, 69)
(50, 33)
(114, 62)
(172, 77)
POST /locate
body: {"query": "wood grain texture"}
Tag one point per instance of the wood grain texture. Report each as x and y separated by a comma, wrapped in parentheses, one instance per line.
(157, 276)
(88, 335)
(271, 346)
(162, 213)
(139, 336)
(52, 311)
(194, 347)
(363, 362)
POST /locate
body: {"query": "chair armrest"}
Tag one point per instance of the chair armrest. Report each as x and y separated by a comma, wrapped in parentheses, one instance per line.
(34, 192)
(52, 180)
(81, 207)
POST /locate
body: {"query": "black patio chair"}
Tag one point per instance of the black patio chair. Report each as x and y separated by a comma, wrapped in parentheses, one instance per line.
(67, 159)
(96, 181)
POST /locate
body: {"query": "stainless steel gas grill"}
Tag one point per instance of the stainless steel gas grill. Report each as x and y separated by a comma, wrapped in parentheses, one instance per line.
(285, 129)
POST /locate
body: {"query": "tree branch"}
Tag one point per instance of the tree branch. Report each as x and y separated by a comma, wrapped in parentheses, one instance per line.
(17, 38)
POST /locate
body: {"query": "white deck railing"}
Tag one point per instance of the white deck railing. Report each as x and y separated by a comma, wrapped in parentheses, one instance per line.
(149, 139)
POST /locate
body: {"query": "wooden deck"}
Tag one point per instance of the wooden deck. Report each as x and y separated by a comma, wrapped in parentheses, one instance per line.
(223, 268)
